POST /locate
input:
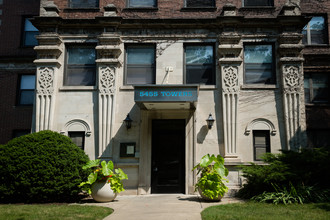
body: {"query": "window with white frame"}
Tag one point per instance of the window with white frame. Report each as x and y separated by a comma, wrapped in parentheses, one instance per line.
(30, 32)
(140, 64)
(199, 64)
(83, 3)
(316, 86)
(142, 3)
(199, 3)
(259, 64)
(315, 31)
(26, 89)
(257, 3)
(80, 65)
(261, 143)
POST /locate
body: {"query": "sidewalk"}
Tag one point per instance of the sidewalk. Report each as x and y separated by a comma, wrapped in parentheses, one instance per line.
(159, 206)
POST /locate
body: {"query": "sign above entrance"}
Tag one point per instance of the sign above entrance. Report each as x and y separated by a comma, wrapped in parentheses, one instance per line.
(170, 94)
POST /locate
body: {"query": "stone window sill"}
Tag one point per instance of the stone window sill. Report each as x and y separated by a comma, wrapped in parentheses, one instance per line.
(78, 88)
(259, 86)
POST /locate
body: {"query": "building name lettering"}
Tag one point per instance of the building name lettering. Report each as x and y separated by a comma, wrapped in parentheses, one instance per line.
(165, 94)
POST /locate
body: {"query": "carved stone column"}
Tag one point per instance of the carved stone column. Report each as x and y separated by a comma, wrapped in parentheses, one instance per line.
(47, 66)
(230, 62)
(293, 90)
(108, 53)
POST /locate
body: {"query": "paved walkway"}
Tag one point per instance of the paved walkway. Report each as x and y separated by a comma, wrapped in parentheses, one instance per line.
(159, 206)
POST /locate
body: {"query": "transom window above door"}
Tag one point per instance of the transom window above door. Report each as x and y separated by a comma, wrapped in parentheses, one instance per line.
(142, 3)
(199, 64)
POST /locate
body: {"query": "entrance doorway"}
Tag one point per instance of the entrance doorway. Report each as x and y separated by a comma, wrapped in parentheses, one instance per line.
(168, 156)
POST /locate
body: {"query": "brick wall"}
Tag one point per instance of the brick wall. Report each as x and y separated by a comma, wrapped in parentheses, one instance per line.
(12, 24)
(12, 117)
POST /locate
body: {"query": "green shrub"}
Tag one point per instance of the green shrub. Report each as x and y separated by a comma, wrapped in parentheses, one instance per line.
(41, 167)
(307, 171)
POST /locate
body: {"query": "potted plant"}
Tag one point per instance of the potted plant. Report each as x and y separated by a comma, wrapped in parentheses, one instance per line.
(103, 183)
(212, 171)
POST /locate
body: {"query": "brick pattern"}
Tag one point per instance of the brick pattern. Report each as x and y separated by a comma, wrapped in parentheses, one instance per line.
(165, 9)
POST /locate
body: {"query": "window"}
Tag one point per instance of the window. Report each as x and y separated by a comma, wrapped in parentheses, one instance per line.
(318, 138)
(78, 138)
(259, 64)
(84, 3)
(199, 64)
(30, 32)
(142, 3)
(26, 89)
(140, 64)
(261, 143)
(316, 87)
(315, 32)
(199, 3)
(81, 67)
(258, 3)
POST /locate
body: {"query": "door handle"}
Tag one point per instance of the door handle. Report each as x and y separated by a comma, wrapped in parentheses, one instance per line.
(155, 169)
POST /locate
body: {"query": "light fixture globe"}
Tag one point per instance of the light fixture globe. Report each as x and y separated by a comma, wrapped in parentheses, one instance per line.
(210, 121)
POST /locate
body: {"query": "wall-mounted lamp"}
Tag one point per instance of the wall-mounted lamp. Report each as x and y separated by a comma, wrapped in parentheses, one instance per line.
(210, 121)
(128, 122)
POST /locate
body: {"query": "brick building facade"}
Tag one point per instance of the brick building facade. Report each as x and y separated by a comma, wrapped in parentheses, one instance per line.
(169, 66)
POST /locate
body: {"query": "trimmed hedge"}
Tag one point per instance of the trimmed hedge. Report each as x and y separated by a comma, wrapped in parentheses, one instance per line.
(41, 167)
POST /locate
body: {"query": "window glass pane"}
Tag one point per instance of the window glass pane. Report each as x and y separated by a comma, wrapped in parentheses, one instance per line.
(258, 3)
(317, 23)
(80, 77)
(26, 97)
(142, 55)
(29, 26)
(199, 74)
(199, 54)
(320, 87)
(81, 55)
(258, 64)
(84, 3)
(199, 3)
(77, 138)
(261, 143)
(30, 38)
(142, 3)
(140, 74)
(307, 88)
(258, 54)
(28, 81)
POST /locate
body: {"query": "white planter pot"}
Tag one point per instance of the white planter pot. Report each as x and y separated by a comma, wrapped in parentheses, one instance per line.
(101, 192)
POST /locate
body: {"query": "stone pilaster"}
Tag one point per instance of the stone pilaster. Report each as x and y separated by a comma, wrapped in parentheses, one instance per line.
(230, 61)
(47, 67)
(108, 52)
(293, 90)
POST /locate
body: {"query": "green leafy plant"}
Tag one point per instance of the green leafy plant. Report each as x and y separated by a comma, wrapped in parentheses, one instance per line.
(103, 171)
(212, 172)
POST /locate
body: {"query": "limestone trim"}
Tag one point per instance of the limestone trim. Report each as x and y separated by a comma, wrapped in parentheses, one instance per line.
(107, 80)
(84, 124)
(262, 123)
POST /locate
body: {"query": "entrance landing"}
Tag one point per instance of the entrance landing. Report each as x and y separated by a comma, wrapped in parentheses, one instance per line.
(160, 207)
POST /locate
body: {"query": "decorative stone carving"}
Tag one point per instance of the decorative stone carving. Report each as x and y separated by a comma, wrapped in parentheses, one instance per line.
(291, 74)
(261, 124)
(76, 122)
(107, 80)
(45, 81)
(230, 76)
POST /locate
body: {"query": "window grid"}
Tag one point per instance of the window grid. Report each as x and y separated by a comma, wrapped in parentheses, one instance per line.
(83, 3)
(316, 86)
(26, 90)
(261, 143)
(315, 31)
(142, 3)
(257, 3)
(199, 3)
(199, 70)
(29, 34)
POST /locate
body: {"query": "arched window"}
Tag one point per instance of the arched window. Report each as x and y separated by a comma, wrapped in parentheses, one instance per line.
(261, 130)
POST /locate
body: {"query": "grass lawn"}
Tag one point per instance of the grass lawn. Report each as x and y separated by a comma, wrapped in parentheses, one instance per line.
(53, 211)
(262, 211)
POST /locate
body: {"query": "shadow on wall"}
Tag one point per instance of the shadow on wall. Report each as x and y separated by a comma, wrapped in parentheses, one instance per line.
(202, 134)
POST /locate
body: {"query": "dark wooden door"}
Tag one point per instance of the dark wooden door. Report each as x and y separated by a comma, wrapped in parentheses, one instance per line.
(168, 156)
